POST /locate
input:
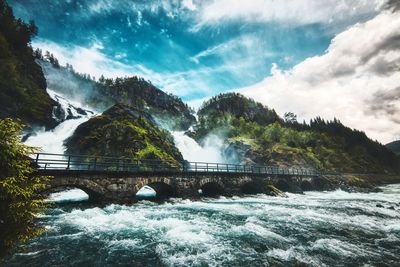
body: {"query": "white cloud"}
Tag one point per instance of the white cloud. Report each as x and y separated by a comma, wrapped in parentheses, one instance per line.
(294, 11)
(189, 4)
(87, 60)
(356, 80)
(243, 47)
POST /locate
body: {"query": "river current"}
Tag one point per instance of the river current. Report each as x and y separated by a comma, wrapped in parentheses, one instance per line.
(315, 229)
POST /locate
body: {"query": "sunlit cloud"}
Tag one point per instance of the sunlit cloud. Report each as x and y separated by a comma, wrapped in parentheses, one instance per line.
(357, 80)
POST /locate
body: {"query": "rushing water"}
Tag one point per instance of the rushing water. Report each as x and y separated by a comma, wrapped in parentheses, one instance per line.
(192, 151)
(53, 141)
(316, 229)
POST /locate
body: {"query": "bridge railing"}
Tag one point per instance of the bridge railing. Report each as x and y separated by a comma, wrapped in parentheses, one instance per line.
(49, 161)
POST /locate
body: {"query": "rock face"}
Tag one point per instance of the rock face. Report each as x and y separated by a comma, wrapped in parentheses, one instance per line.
(136, 92)
(123, 131)
(22, 84)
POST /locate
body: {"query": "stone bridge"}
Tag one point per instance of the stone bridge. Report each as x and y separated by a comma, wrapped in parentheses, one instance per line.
(105, 186)
(116, 180)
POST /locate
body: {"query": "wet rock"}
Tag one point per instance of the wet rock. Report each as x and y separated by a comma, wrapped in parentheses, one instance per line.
(391, 207)
(243, 153)
(379, 206)
(273, 191)
(376, 190)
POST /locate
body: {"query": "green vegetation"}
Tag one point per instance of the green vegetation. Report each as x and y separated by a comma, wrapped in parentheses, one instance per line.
(22, 84)
(394, 147)
(327, 145)
(122, 131)
(132, 91)
(19, 198)
(239, 107)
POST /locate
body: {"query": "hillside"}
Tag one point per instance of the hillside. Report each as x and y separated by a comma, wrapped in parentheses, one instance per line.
(133, 91)
(122, 131)
(22, 83)
(326, 145)
(394, 147)
(240, 107)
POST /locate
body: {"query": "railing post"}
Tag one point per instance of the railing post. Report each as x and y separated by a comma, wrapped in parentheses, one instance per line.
(95, 163)
(37, 159)
(207, 166)
(195, 166)
(69, 162)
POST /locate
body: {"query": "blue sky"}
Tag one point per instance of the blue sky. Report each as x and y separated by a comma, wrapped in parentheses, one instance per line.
(263, 48)
(173, 39)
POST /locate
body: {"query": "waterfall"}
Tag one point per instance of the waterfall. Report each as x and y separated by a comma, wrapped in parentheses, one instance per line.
(71, 114)
(211, 151)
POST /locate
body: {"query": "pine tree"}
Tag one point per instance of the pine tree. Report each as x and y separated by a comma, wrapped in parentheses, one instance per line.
(20, 200)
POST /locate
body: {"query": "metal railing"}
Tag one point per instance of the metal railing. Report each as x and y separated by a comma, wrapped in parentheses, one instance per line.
(49, 161)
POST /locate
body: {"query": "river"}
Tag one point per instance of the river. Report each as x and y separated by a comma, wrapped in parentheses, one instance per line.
(314, 229)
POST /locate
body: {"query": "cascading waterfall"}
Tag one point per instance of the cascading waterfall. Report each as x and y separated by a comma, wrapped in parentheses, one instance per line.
(72, 115)
(211, 151)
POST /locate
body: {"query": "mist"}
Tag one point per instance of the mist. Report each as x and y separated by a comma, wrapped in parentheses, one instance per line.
(74, 87)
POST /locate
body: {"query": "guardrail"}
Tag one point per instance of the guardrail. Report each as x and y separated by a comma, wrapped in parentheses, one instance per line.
(50, 161)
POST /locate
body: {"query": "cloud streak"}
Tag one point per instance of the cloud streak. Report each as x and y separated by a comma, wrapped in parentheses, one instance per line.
(292, 12)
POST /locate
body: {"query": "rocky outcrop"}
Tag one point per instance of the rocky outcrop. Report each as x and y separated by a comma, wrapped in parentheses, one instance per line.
(123, 131)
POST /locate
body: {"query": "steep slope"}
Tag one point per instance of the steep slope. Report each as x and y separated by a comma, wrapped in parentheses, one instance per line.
(134, 91)
(394, 147)
(123, 131)
(22, 84)
(326, 145)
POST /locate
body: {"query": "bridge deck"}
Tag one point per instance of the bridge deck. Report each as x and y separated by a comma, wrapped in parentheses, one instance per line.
(48, 163)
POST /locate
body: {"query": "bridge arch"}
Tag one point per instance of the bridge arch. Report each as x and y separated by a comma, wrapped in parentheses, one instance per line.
(163, 187)
(252, 187)
(95, 191)
(211, 187)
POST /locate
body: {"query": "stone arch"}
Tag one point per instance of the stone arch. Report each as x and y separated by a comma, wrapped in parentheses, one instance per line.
(211, 187)
(95, 191)
(252, 187)
(287, 185)
(150, 180)
(306, 185)
(163, 189)
(163, 186)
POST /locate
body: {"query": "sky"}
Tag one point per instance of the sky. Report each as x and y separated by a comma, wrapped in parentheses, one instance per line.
(331, 58)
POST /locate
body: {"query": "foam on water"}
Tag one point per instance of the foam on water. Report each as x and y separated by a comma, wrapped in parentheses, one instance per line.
(315, 229)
